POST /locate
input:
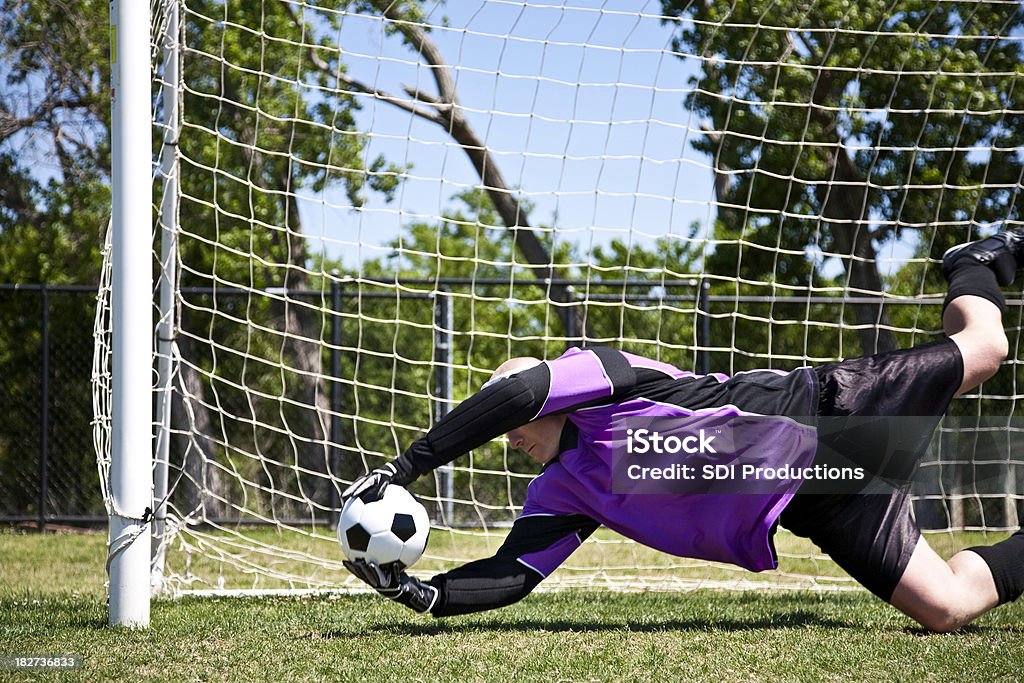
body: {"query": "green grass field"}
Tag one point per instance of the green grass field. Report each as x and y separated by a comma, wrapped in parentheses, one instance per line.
(52, 601)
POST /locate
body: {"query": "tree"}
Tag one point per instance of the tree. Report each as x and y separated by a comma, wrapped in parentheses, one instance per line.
(498, 310)
(254, 140)
(633, 307)
(54, 203)
(263, 125)
(844, 126)
(445, 110)
(53, 109)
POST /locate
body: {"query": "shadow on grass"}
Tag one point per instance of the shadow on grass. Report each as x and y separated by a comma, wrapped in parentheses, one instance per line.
(795, 620)
(85, 621)
(52, 613)
(970, 629)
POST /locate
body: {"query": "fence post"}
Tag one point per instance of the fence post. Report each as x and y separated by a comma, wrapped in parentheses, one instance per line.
(703, 324)
(334, 450)
(44, 413)
(443, 348)
(572, 331)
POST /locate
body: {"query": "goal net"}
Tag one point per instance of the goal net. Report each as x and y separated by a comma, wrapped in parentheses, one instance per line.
(363, 208)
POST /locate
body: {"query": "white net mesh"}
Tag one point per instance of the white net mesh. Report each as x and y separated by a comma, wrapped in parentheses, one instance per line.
(365, 208)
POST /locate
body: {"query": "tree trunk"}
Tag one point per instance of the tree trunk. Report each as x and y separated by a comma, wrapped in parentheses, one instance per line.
(574, 322)
(302, 351)
(845, 207)
(301, 344)
(202, 487)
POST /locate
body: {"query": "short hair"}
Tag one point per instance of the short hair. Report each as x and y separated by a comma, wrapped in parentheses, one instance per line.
(513, 366)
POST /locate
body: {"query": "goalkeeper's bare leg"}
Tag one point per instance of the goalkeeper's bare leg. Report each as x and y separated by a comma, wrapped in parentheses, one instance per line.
(946, 595)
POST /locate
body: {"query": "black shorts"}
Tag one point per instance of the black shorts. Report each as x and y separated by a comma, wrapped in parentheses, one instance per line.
(872, 536)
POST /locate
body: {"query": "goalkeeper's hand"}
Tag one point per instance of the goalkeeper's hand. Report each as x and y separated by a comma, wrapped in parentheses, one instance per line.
(391, 581)
(370, 487)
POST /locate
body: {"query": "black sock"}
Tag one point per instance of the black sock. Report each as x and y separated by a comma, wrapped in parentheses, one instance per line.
(975, 279)
(1006, 561)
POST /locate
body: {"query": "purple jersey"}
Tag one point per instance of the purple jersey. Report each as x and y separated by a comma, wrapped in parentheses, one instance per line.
(733, 528)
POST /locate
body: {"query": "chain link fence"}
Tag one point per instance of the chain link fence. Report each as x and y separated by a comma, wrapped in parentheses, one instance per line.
(47, 463)
(48, 471)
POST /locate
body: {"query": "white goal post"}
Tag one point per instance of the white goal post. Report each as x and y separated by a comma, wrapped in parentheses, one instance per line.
(356, 211)
(128, 480)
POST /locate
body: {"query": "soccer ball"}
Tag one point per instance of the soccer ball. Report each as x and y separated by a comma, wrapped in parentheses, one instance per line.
(391, 529)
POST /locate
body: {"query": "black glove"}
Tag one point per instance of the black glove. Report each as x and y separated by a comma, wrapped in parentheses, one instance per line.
(394, 584)
(370, 486)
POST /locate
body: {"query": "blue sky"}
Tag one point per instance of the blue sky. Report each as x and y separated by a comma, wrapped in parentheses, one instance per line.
(582, 107)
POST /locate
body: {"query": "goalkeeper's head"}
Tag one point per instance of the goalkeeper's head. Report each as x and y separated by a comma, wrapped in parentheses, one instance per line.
(538, 439)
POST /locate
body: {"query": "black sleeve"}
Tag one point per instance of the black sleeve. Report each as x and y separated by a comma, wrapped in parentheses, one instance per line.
(508, 577)
(487, 414)
(498, 408)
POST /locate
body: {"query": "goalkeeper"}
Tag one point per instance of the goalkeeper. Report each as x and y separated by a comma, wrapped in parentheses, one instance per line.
(560, 412)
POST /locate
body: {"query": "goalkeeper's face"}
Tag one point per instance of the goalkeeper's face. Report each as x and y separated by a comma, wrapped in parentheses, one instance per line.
(539, 439)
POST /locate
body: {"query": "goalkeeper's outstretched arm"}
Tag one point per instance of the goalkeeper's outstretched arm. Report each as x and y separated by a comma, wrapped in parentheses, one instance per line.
(534, 548)
(505, 403)
(491, 412)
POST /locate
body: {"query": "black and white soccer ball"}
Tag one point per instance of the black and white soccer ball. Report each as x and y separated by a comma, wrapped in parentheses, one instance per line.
(394, 528)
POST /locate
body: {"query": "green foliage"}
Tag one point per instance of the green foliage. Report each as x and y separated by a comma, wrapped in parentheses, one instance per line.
(864, 85)
(894, 120)
(54, 105)
(646, 314)
(263, 123)
(54, 206)
(498, 310)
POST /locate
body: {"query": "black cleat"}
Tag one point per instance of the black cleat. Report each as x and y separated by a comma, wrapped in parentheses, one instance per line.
(1002, 252)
